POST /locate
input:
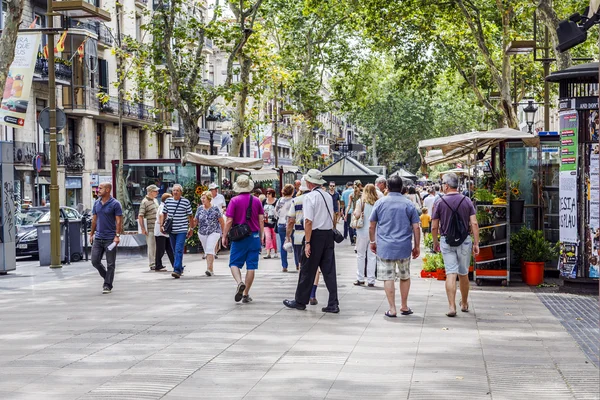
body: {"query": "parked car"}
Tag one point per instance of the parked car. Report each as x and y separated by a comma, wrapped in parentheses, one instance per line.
(26, 242)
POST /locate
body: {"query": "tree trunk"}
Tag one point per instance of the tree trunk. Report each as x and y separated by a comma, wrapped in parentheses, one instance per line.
(192, 136)
(506, 103)
(548, 16)
(8, 40)
(239, 125)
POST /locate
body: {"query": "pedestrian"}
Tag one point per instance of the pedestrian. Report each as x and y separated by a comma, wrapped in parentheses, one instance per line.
(335, 196)
(346, 200)
(381, 185)
(163, 243)
(270, 223)
(395, 236)
(364, 255)
(147, 220)
(105, 234)
(179, 210)
(352, 199)
(430, 200)
(209, 220)
(317, 207)
(451, 208)
(281, 212)
(297, 191)
(425, 220)
(244, 209)
(415, 198)
(218, 200)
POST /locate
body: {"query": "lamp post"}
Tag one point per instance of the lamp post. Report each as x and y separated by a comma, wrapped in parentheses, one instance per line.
(530, 111)
(211, 126)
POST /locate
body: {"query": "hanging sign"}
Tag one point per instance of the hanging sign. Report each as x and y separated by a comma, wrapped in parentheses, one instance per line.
(569, 123)
(15, 98)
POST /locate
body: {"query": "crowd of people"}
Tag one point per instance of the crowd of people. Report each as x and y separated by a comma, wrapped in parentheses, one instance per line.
(383, 221)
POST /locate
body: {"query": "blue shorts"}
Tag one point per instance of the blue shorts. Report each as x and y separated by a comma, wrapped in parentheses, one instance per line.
(457, 259)
(245, 251)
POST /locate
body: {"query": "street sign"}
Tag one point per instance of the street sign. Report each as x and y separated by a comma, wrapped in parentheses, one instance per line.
(37, 163)
(548, 133)
(44, 119)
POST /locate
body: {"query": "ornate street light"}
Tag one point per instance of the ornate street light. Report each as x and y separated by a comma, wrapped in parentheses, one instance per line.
(530, 111)
(211, 127)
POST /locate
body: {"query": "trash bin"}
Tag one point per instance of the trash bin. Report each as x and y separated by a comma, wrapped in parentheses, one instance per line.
(75, 245)
(43, 231)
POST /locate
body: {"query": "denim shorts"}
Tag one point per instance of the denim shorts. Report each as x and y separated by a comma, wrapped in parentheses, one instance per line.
(246, 251)
(457, 259)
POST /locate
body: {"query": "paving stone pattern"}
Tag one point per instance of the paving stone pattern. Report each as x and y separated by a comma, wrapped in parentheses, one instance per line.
(580, 317)
(155, 337)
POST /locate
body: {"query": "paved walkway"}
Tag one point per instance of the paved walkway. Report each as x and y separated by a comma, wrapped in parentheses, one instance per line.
(159, 338)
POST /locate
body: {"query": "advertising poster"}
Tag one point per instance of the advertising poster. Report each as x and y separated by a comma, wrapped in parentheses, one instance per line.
(15, 98)
(568, 207)
(595, 257)
(568, 140)
(595, 189)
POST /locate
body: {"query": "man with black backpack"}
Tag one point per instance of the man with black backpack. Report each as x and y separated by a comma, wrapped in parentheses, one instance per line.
(452, 217)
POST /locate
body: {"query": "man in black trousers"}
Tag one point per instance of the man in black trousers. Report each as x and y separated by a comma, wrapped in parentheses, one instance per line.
(318, 246)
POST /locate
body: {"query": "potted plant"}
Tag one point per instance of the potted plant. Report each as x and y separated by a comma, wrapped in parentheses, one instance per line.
(483, 196)
(510, 191)
(536, 252)
(518, 242)
(429, 267)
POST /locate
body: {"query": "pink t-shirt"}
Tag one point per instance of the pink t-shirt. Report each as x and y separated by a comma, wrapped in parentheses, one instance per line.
(237, 210)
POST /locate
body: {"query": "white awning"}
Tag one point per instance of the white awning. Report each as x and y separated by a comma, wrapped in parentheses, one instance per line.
(244, 163)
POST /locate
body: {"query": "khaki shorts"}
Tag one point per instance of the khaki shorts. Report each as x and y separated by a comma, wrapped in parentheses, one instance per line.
(389, 270)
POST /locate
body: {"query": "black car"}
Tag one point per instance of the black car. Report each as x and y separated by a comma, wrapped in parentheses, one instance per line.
(26, 242)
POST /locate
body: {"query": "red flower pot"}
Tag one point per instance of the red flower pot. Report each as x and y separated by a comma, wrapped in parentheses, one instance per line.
(441, 274)
(534, 273)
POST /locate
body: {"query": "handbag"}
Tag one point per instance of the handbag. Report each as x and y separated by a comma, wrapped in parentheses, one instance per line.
(241, 231)
(337, 236)
(359, 222)
(168, 222)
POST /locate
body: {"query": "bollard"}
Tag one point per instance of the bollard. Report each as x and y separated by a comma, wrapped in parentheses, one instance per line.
(85, 237)
(67, 242)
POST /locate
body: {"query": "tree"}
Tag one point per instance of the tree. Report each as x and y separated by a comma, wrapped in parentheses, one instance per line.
(8, 40)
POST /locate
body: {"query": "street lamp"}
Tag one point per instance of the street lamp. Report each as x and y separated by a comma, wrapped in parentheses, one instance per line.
(211, 126)
(530, 111)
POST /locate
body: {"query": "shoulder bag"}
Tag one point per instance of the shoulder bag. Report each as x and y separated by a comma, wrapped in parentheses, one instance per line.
(337, 236)
(241, 231)
(359, 222)
(168, 222)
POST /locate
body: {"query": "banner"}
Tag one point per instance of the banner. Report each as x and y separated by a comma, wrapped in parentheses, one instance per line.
(18, 82)
(595, 189)
(568, 207)
(569, 124)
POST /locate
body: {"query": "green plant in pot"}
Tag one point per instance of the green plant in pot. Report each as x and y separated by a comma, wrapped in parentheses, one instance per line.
(536, 252)
(483, 196)
(484, 216)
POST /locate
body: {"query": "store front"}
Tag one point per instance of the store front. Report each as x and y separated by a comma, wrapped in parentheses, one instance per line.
(73, 187)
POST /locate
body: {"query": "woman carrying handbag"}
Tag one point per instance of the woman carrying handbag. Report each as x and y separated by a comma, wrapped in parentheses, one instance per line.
(360, 219)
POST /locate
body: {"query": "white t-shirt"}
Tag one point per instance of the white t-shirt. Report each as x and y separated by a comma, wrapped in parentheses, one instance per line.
(428, 202)
(315, 210)
(159, 212)
(218, 201)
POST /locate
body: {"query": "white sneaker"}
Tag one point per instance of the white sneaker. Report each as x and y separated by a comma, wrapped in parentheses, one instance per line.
(275, 255)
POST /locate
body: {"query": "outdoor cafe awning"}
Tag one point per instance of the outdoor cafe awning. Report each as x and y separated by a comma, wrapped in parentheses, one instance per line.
(244, 163)
(269, 173)
(458, 146)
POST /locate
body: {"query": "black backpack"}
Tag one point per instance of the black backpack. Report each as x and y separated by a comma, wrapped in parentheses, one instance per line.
(457, 232)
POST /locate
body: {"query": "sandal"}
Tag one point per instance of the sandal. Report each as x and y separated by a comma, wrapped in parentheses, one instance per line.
(463, 309)
(389, 314)
(451, 314)
(407, 312)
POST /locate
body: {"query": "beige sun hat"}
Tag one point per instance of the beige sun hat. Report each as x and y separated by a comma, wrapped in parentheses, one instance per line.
(303, 187)
(314, 176)
(243, 184)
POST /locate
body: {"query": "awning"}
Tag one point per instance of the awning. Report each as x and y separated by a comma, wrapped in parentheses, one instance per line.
(458, 146)
(270, 173)
(244, 163)
(405, 174)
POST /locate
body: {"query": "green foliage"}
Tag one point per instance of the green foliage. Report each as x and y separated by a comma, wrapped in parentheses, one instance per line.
(428, 241)
(519, 240)
(483, 195)
(433, 262)
(504, 187)
(484, 216)
(538, 249)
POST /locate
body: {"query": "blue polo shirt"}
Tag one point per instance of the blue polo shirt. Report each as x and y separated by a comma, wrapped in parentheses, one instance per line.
(346, 196)
(106, 221)
(395, 216)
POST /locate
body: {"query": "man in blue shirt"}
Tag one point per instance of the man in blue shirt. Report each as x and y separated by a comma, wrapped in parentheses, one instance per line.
(105, 234)
(395, 224)
(346, 199)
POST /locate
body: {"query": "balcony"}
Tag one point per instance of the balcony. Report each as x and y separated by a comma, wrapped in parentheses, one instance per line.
(208, 83)
(105, 36)
(81, 9)
(130, 109)
(62, 68)
(90, 27)
(74, 160)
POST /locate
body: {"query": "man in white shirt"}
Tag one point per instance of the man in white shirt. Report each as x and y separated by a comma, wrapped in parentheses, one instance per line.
(381, 186)
(430, 200)
(218, 200)
(318, 246)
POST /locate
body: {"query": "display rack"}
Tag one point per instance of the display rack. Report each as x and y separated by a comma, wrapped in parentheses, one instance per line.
(479, 271)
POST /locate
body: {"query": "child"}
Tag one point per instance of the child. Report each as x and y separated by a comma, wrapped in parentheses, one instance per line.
(425, 220)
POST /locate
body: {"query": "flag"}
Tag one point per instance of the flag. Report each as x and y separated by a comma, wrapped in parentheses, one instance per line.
(60, 46)
(46, 51)
(33, 23)
(80, 50)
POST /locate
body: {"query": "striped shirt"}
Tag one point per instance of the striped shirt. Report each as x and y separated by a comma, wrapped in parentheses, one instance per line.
(180, 218)
(296, 212)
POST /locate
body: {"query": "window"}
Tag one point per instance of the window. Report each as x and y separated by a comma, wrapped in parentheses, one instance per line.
(100, 146)
(4, 11)
(71, 214)
(159, 142)
(40, 104)
(39, 16)
(71, 136)
(103, 75)
(138, 28)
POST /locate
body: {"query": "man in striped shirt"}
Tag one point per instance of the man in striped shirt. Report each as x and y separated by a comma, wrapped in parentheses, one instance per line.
(179, 209)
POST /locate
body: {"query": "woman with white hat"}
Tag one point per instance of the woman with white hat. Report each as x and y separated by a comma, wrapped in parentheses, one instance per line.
(244, 228)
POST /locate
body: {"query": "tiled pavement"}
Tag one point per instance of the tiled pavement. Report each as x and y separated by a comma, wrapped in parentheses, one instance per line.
(579, 315)
(155, 337)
